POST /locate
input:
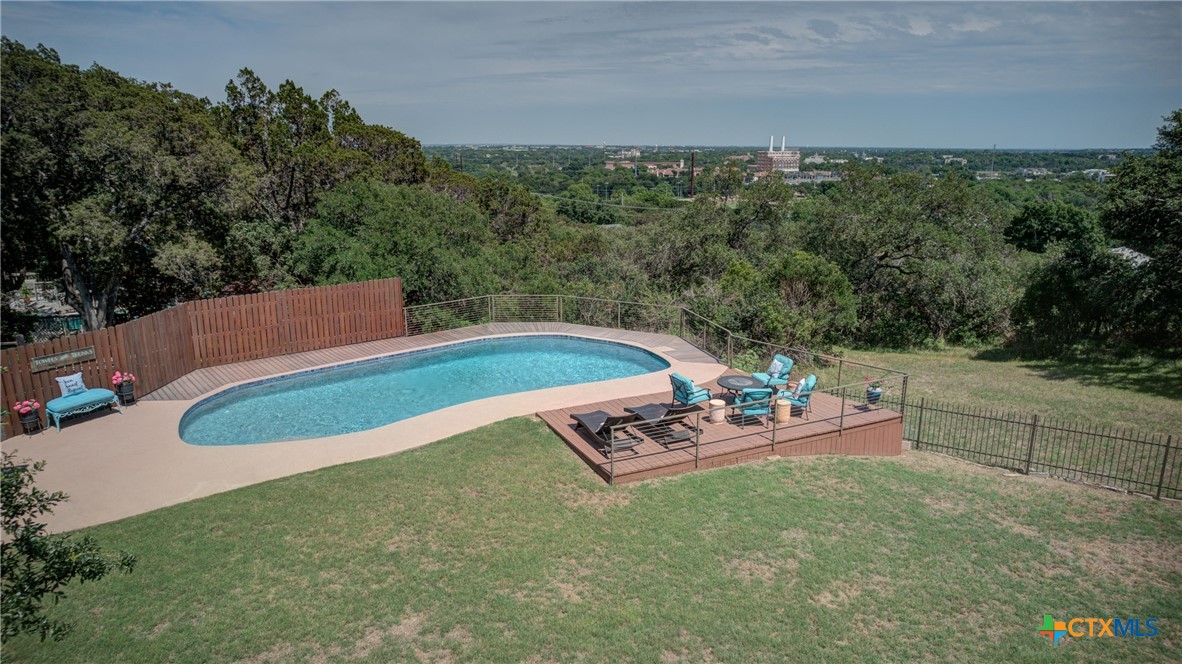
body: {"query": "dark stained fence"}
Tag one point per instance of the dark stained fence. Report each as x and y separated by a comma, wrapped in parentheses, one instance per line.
(162, 347)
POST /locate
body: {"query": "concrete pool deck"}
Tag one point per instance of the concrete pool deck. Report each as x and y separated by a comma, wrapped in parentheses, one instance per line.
(114, 466)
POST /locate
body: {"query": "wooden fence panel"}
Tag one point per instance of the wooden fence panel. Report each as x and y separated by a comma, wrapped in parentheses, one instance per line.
(162, 347)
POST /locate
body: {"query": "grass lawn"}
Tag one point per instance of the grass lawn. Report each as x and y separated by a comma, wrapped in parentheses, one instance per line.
(1142, 394)
(499, 545)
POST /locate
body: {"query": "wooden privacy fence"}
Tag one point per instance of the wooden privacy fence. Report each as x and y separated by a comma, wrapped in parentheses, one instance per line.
(249, 327)
(162, 347)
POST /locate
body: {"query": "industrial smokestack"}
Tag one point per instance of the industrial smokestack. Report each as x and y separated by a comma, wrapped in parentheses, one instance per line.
(782, 143)
(771, 143)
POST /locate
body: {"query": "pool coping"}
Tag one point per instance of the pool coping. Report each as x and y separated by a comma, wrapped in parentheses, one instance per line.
(276, 378)
(115, 466)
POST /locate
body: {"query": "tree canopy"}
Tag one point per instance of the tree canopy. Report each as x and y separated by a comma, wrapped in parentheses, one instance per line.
(135, 196)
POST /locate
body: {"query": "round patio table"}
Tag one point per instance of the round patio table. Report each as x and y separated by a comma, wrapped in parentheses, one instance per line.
(736, 384)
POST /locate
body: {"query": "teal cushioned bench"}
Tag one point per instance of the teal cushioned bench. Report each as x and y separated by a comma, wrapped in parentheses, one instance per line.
(82, 402)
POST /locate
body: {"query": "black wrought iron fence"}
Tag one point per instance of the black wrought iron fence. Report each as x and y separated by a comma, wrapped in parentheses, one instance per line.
(1141, 462)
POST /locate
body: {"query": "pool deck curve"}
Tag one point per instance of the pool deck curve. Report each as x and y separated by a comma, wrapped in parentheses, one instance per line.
(114, 466)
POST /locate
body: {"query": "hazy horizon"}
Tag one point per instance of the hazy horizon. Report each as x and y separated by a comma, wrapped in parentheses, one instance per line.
(1037, 75)
(644, 146)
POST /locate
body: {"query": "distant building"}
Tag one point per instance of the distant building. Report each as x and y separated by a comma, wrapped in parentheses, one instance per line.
(1100, 174)
(815, 159)
(988, 175)
(659, 168)
(812, 176)
(1034, 172)
(949, 159)
(784, 160)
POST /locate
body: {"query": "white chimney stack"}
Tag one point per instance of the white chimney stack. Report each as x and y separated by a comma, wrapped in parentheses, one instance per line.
(782, 143)
(771, 144)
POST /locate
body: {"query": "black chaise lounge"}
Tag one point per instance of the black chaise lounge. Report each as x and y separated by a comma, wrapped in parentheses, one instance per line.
(598, 425)
(663, 430)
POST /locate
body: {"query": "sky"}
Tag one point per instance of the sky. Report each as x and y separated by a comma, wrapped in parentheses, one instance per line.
(877, 74)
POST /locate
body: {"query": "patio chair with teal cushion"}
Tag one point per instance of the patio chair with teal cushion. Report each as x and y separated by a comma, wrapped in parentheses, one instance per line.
(685, 392)
(754, 402)
(801, 397)
(777, 372)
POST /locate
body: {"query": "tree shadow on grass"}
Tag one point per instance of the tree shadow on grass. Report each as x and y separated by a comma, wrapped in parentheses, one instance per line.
(1157, 376)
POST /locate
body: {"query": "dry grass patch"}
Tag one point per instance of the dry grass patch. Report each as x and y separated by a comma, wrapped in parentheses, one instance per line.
(762, 568)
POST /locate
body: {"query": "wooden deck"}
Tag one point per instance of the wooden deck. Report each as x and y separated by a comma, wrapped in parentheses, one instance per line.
(202, 381)
(865, 431)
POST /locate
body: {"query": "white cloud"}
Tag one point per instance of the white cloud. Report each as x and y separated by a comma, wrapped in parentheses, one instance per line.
(974, 24)
(920, 27)
(394, 58)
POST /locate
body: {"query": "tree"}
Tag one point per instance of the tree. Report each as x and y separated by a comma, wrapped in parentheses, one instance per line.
(580, 204)
(136, 166)
(1143, 209)
(1083, 294)
(39, 565)
(758, 221)
(799, 300)
(1041, 223)
(38, 127)
(442, 249)
(301, 147)
(724, 181)
(926, 259)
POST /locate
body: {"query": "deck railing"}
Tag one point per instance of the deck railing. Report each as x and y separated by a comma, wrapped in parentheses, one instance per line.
(773, 429)
(1141, 462)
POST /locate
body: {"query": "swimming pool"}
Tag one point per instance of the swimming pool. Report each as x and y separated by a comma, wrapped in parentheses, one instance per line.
(365, 395)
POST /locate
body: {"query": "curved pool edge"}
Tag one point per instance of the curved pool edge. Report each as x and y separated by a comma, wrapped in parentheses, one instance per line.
(194, 405)
(219, 390)
(116, 467)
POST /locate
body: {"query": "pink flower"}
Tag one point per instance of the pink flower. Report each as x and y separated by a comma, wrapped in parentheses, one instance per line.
(123, 377)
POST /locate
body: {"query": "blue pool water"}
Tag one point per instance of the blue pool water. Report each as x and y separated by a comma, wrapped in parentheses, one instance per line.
(365, 395)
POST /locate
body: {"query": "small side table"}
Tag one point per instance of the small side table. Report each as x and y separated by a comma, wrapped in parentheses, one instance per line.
(783, 411)
(717, 411)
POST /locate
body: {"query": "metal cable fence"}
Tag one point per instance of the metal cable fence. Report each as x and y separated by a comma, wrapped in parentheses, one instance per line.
(622, 315)
(440, 316)
(1132, 461)
(524, 308)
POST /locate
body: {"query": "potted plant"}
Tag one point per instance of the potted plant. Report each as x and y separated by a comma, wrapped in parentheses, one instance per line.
(873, 390)
(27, 410)
(124, 382)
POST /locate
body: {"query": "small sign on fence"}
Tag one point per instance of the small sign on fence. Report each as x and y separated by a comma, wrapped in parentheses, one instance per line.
(47, 362)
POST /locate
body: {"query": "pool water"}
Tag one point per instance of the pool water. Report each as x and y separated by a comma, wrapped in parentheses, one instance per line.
(369, 394)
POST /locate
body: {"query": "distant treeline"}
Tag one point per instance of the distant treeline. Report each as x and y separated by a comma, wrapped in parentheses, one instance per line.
(135, 195)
